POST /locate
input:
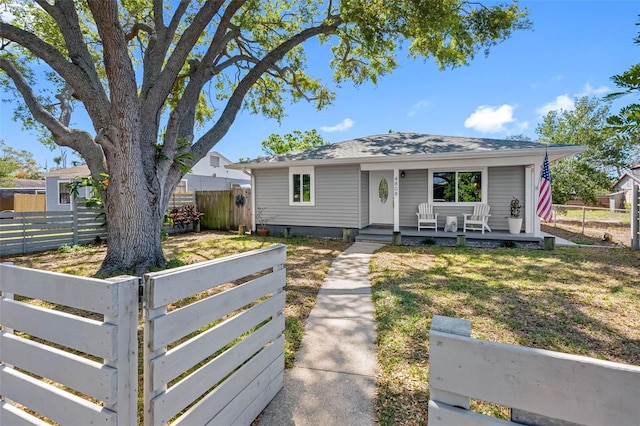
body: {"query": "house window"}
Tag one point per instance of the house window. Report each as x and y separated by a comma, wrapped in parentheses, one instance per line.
(301, 186)
(64, 196)
(214, 161)
(458, 186)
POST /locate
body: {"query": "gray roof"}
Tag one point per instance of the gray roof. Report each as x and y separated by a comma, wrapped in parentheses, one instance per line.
(411, 144)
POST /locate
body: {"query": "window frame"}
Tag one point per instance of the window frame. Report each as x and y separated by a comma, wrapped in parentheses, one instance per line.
(302, 170)
(484, 187)
(60, 192)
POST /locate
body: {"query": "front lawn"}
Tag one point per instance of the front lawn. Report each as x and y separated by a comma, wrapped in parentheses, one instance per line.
(583, 301)
(308, 261)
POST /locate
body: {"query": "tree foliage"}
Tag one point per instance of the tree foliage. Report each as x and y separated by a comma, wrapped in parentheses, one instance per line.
(593, 171)
(627, 121)
(162, 81)
(16, 164)
(293, 141)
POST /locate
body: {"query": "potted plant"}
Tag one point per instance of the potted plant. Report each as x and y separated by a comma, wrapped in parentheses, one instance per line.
(261, 220)
(515, 221)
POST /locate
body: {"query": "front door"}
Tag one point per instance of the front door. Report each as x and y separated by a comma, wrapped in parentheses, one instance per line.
(381, 197)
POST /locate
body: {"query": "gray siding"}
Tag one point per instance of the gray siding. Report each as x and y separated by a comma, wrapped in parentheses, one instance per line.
(336, 199)
(413, 191)
(504, 184)
(364, 199)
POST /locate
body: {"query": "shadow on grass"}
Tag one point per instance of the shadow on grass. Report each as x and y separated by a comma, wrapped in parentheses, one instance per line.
(580, 301)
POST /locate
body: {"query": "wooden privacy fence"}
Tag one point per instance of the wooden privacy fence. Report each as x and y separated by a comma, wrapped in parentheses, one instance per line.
(216, 360)
(73, 367)
(29, 202)
(26, 232)
(541, 387)
(195, 353)
(225, 210)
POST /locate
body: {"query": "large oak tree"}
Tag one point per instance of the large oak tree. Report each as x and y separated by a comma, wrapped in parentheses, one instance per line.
(148, 72)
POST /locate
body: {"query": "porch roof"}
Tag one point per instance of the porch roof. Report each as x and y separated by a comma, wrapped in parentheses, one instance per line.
(410, 147)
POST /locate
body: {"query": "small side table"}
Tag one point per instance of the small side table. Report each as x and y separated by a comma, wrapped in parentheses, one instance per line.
(451, 224)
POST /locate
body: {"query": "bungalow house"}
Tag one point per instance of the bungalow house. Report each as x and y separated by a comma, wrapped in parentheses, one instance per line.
(380, 180)
(208, 174)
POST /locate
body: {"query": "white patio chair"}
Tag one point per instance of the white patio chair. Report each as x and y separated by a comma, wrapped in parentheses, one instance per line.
(478, 220)
(426, 217)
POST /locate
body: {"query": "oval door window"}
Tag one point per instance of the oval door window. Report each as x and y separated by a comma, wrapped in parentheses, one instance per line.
(383, 190)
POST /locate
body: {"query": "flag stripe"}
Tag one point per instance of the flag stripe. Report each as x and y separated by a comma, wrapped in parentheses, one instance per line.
(545, 205)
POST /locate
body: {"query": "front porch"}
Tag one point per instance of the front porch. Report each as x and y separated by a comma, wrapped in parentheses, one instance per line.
(385, 234)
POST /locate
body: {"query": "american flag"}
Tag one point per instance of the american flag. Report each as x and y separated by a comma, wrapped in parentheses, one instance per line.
(544, 210)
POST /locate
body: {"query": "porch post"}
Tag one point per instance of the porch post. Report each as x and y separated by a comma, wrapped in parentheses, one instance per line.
(530, 197)
(396, 200)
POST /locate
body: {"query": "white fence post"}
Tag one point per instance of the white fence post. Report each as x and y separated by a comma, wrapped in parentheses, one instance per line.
(635, 219)
(458, 327)
(126, 403)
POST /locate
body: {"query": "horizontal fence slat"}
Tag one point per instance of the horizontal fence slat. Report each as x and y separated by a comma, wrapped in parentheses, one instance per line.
(561, 386)
(13, 416)
(82, 334)
(206, 409)
(179, 359)
(89, 294)
(445, 415)
(177, 397)
(81, 374)
(168, 286)
(179, 323)
(257, 393)
(51, 402)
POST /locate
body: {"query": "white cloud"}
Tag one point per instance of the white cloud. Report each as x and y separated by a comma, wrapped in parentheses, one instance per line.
(590, 90)
(488, 119)
(344, 125)
(416, 107)
(562, 103)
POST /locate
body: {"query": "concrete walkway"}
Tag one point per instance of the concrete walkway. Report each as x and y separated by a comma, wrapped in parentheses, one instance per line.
(333, 381)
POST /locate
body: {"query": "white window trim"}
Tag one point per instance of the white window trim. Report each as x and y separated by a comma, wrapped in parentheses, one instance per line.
(484, 182)
(307, 170)
(65, 181)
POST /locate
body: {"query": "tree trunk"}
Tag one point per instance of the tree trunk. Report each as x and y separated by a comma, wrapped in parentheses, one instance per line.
(134, 223)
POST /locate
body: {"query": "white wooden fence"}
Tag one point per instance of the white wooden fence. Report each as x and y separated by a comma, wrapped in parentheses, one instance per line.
(69, 368)
(219, 360)
(194, 353)
(26, 232)
(541, 387)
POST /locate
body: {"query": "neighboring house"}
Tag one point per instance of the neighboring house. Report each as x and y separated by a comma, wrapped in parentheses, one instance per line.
(21, 186)
(381, 179)
(208, 174)
(626, 182)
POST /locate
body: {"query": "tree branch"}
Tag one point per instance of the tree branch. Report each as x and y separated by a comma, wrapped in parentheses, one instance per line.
(78, 140)
(65, 15)
(228, 115)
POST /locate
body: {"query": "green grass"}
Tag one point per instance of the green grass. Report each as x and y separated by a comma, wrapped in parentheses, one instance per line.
(593, 215)
(583, 301)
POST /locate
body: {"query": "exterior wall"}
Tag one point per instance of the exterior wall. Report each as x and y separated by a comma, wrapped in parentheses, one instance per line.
(209, 183)
(204, 167)
(364, 199)
(53, 195)
(504, 183)
(413, 191)
(336, 200)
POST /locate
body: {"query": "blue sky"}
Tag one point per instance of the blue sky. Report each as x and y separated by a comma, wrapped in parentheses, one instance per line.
(573, 50)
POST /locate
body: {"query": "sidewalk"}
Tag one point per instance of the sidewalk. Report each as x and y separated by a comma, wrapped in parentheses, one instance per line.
(333, 381)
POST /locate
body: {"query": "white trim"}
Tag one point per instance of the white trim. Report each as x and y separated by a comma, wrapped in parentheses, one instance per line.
(484, 183)
(396, 200)
(305, 170)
